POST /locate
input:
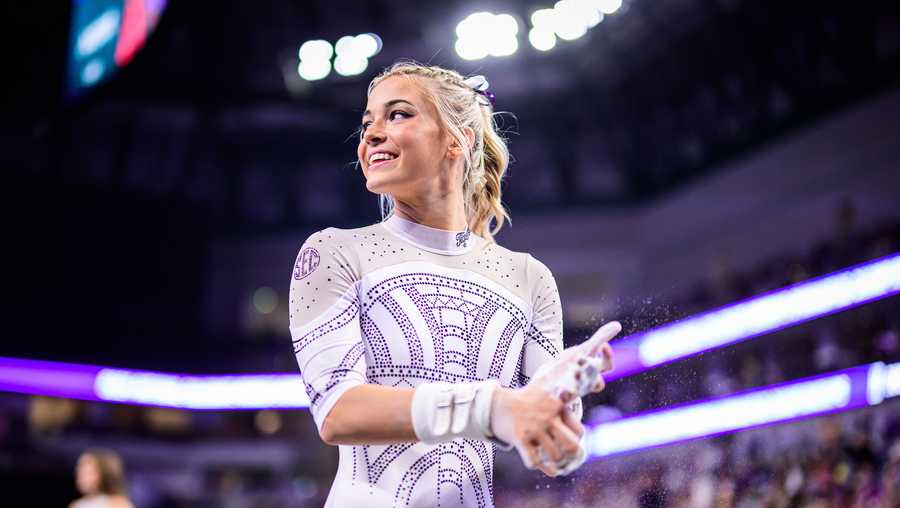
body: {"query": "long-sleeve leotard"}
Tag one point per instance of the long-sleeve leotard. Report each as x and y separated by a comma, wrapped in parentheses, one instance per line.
(398, 304)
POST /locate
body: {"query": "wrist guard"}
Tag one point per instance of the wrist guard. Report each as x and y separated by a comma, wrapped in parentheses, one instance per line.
(442, 412)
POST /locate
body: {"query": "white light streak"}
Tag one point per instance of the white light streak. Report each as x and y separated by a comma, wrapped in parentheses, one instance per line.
(770, 312)
(805, 398)
(196, 392)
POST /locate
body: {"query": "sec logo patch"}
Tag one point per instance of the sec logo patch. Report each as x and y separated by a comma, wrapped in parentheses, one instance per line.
(307, 262)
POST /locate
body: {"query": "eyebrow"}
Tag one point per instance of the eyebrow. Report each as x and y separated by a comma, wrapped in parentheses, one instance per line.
(389, 104)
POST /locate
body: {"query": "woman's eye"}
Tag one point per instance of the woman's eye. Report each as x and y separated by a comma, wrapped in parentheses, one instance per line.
(365, 125)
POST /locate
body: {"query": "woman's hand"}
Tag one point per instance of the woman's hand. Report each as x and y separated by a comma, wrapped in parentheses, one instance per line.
(535, 417)
(568, 375)
(531, 419)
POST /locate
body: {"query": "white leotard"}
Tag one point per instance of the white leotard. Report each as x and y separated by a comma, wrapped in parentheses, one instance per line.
(95, 501)
(397, 304)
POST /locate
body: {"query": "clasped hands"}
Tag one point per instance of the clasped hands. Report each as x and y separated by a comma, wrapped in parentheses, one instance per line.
(536, 419)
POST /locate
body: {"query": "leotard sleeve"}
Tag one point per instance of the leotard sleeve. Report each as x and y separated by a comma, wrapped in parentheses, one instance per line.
(544, 337)
(324, 320)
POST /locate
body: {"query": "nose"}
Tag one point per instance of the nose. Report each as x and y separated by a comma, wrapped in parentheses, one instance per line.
(373, 134)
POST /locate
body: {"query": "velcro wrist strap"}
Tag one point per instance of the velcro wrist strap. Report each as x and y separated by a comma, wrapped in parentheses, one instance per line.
(443, 411)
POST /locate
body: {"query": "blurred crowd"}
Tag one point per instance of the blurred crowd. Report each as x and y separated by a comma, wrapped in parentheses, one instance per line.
(845, 339)
(848, 460)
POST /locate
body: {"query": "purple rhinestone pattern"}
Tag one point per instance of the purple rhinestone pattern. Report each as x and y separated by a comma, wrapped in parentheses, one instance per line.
(411, 337)
(346, 317)
(348, 363)
(435, 299)
(398, 324)
(536, 336)
(456, 479)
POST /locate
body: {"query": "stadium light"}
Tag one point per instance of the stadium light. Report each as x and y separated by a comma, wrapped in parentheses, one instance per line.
(572, 18)
(608, 6)
(368, 44)
(350, 64)
(542, 39)
(568, 20)
(315, 59)
(351, 56)
(313, 70)
(314, 50)
(483, 34)
(353, 53)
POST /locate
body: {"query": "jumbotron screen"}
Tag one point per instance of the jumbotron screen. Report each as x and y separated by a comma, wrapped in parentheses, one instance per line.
(106, 34)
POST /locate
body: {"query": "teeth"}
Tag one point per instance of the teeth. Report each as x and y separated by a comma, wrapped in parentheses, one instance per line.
(381, 156)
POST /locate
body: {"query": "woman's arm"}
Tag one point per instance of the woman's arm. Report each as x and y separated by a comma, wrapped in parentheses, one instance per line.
(370, 414)
(324, 323)
(527, 418)
(373, 414)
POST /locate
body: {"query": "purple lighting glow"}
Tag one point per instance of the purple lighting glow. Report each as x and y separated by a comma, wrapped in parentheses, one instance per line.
(757, 316)
(88, 382)
(837, 391)
(54, 379)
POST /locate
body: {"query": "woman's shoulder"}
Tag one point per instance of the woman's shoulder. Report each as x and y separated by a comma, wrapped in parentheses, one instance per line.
(120, 502)
(345, 237)
(102, 501)
(525, 260)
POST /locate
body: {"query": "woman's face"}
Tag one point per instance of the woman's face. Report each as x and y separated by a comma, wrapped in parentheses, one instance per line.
(87, 475)
(402, 150)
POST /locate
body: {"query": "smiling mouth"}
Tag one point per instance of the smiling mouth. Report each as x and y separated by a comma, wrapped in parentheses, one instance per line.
(380, 163)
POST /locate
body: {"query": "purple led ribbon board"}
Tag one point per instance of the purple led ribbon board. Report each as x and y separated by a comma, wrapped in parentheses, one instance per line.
(757, 316)
(248, 391)
(54, 379)
(833, 392)
(152, 388)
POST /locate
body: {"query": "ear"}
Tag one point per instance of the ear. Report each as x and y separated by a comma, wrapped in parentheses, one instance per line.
(455, 149)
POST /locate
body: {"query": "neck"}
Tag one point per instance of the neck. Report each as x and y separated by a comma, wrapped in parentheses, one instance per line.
(448, 215)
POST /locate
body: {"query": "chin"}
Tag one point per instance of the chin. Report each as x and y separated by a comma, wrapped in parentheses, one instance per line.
(376, 187)
(379, 184)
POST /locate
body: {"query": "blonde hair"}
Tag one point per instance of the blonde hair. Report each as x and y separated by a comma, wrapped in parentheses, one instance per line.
(486, 159)
(111, 471)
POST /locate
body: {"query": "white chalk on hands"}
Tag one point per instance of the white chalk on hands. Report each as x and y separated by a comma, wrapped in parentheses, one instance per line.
(575, 374)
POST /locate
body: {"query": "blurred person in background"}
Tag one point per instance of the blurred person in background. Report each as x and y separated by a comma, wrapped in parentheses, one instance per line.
(100, 478)
(419, 339)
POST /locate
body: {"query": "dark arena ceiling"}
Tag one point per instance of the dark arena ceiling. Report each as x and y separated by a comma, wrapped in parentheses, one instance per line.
(212, 112)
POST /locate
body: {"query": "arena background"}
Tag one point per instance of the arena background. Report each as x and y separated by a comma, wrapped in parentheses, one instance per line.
(722, 176)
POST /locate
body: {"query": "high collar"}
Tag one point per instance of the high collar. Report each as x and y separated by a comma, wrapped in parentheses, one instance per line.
(441, 241)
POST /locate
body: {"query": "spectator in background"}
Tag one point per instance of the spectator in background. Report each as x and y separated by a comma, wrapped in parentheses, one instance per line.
(100, 478)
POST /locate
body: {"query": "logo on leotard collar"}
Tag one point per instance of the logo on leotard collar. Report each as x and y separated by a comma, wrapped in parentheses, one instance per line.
(462, 238)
